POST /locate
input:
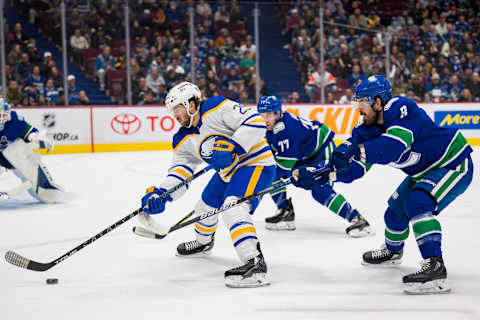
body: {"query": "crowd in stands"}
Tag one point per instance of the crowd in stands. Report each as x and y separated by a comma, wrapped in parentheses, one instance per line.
(160, 52)
(435, 46)
(34, 79)
(434, 49)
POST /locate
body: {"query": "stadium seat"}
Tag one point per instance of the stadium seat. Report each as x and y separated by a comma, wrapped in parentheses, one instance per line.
(89, 59)
(114, 82)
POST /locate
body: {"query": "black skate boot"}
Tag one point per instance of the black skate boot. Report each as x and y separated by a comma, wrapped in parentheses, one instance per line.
(359, 227)
(250, 275)
(382, 256)
(191, 249)
(283, 220)
(429, 279)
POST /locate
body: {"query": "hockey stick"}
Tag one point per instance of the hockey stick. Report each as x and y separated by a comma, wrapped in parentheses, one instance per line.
(22, 262)
(5, 195)
(162, 231)
(155, 230)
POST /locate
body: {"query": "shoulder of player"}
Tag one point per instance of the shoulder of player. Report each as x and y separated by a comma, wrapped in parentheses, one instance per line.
(212, 104)
(398, 107)
(181, 136)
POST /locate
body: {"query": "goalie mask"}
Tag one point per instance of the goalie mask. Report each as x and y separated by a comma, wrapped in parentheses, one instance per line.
(4, 113)
(181, 94)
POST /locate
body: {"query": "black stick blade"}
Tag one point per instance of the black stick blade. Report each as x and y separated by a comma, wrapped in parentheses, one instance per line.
(22, 262)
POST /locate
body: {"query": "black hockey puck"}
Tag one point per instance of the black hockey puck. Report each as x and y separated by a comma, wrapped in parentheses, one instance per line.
(52, 281)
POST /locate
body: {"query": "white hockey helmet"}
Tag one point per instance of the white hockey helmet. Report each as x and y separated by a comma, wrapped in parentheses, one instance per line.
(4, 113)
(181, 94)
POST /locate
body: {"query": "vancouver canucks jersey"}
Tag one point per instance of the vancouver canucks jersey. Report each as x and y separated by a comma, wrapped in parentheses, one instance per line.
(219, 118)
(15, 128)
(294, 139)
(411, 141)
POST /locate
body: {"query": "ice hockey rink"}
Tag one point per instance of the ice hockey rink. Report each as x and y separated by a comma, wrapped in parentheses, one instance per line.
(315, 271)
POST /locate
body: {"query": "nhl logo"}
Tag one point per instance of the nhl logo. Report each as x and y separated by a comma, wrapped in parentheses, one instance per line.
(48, 120)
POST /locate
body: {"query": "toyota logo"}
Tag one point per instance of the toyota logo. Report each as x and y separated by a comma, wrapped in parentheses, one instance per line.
(125, 123)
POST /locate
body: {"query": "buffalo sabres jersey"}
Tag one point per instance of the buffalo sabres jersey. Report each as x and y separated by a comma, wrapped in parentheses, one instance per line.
(294, 139)
(15, 128)
(219, 118)
(411, 141)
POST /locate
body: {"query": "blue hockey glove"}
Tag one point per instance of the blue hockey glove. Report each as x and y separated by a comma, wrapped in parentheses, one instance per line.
(224, 151)
(151, 201)
(344, 154)
(309, 177)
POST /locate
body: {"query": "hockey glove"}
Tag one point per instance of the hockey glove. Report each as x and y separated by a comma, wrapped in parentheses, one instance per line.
(224, 153)
(151, 201)
(344, 154)
(309, 177)
(41, 139)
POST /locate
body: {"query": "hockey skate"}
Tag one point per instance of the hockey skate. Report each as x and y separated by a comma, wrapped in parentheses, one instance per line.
(194, 249)
(382, 257)
(359, 227)
(283, 219)
(429, 279)
(250, 275)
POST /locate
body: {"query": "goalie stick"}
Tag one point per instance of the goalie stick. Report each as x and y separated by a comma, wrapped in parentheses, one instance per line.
(159, 231)
(22, 262)
(5, 195)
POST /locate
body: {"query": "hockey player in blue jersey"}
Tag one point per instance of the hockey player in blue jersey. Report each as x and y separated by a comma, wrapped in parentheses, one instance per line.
(397, 132)
(297, 142)
(17, 141)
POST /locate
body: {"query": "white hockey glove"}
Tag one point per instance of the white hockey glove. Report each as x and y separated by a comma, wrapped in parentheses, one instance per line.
(41, 139)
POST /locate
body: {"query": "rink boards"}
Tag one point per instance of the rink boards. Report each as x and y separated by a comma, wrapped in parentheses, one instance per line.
(81, 129)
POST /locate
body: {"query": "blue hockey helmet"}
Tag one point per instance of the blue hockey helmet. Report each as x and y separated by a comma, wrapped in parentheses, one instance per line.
(372, 87)
(269, 104)
(4, 113)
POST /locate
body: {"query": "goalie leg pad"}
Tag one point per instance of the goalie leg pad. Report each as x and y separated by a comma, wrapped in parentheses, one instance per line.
(29, 167)
(205, 229)
(242, 231)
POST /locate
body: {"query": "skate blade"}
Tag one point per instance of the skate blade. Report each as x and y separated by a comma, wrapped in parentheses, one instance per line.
(385, 264)
(256, 280)
(366, 232)
(281, 226)
(195, 255)
(430, 287)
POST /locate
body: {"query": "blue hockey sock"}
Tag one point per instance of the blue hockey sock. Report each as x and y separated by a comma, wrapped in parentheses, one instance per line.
(420, 207)
(280, 198)
(396, 230)
(335, 202)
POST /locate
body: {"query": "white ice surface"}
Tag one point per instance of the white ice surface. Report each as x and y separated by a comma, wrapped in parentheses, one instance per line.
(315, 271)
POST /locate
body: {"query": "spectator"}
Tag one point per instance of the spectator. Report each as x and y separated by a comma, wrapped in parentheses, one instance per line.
(15, 55)
(294, 97)
(31, 96)
(32, 52)
(105, 61)
(247, 60)
(247, 47)
(24, 69)
(176, 67)
(221, 40)
(243, 97)
(355, 77)
(417, 88)
(474, 86)
(347, 97)
(314, 84)
(14, 93)
(435, 90)
(454, 89)
(76, 95)
(50, 93)
(154, 80)
(149, 99)
(141, 90)
(222, 15)
(78, 42)
(121, 57)
(99, 39)
(357, 19)
(399, 87)
(203, 9)
(35, 79)
(57, 78)
(45, 66)
(18, 36)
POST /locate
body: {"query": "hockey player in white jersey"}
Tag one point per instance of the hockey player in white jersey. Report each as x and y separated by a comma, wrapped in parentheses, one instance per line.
(231, 137)
(17, 141)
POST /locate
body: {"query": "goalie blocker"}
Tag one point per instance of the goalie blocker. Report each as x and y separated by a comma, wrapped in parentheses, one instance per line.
(27, 165)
